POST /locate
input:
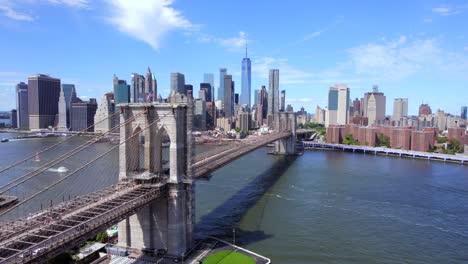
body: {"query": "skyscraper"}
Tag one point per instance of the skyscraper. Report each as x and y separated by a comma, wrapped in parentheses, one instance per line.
(424, 109)
(400, 108)
(62, 112)
(22, 105)
(256, 96)
(246, 81)
(222, 72)
(273, 92)
(121, 91)
(375, 106)
(464, 112)
(209, 78)
(263, 102)
(338, 105)
(83, 115)
(43, 97)
(102, 121)
(14, 118)
(207, 88)
(283, 100)
(138, 85)
(149, 93)
(188, 88)
(228, 96)
(356, 107)
(70, 93)
(178, 83)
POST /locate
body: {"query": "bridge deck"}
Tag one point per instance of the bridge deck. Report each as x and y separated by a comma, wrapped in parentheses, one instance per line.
(49, 233)
(210, 161)
(48, 238)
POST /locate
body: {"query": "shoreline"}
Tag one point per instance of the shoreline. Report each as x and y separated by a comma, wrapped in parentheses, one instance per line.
(463, 160)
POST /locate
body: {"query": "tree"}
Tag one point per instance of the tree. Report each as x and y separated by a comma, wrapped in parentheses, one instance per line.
(102, 236)
(384, 141)
(456, 146)
(349, 140)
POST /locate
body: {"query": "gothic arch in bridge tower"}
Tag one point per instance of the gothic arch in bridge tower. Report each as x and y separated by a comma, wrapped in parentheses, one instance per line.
(134, 155)
(164, 223)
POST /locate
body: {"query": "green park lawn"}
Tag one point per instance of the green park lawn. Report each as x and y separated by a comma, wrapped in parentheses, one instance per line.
(228, 257)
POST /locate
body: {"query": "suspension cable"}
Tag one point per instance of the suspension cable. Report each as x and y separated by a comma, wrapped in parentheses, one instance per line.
(53, 146)
(55, 161)
(80, 168)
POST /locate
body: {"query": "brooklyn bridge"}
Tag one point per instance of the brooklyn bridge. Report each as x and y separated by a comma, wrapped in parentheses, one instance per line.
(153, 201)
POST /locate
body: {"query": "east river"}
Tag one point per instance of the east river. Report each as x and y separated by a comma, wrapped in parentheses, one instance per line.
(321, 207)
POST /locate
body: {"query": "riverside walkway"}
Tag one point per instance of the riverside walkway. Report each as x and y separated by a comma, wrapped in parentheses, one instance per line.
(388, 152)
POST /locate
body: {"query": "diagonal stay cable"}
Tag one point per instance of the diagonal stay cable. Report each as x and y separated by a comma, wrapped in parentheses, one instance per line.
(80, 168)
(12, 184)
(52, 146)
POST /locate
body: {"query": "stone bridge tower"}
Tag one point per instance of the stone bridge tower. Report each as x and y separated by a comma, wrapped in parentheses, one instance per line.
(286, 121)
(166, 223)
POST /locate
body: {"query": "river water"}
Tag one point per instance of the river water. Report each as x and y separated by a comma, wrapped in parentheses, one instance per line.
(321, 207)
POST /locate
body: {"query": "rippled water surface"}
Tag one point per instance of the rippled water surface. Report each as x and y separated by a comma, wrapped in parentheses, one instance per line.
(321, 207)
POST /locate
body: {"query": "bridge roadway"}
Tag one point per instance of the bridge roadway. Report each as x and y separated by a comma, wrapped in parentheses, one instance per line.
(48, 233)
(212, 160)
(46, 238)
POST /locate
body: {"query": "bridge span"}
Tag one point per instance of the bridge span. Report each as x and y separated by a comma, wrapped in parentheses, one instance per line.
(131, 203)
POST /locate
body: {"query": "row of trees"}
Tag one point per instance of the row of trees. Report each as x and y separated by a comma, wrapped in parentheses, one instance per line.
(382, 141)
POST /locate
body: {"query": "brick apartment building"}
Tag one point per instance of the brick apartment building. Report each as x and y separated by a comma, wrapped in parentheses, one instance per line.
(406, 138)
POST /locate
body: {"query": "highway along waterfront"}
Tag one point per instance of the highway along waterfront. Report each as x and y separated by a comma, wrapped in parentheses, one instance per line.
(321, 207)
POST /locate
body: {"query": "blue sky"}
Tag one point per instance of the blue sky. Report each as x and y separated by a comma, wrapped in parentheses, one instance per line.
(413, 49)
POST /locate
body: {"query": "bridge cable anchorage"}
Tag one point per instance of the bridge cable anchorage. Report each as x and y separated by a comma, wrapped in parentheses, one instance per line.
(53, 146)
(48, 165)
(80, 168)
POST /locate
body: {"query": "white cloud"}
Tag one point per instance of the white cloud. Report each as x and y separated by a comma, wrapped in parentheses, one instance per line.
(147, 20)
(288, 73)
(7, 10)
(406, 57)
(234, 43)
(448, 11)
(313, 35)
(394, 59)
(81, 4)
(427, 20)
(466, 48)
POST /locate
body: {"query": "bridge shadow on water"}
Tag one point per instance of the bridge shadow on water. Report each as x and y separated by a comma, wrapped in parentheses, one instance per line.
(221, 221)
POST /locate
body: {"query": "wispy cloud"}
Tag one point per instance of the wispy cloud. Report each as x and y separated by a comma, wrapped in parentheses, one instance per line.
(317, 33)
(147, 20)
(449, 10)
(80, 4)
(7, 9)
(236, 43)
(288, 73)
(466, 48)
(394, 59)
(405, 57)
(313, 35)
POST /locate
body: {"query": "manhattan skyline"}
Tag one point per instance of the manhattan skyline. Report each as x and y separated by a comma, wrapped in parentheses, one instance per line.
(318, 46)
